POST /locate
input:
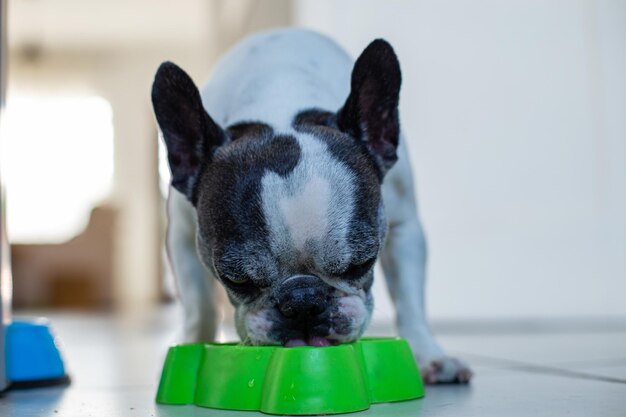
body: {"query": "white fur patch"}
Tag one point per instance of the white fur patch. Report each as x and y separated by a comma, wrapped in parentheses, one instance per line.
(353, 308)
(305, 213)
(258, 327)
(273, 76)
(312, 206)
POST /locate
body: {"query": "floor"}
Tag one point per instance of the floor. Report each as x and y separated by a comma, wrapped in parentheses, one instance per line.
(573, 368)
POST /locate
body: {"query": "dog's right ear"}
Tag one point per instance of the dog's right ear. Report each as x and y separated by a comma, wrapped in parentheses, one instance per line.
(191, 136)
(370, 113)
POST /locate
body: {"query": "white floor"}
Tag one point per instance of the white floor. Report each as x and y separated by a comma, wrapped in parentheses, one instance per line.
(525, 369)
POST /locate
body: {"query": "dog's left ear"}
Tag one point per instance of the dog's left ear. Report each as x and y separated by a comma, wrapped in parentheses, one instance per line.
(370, 113)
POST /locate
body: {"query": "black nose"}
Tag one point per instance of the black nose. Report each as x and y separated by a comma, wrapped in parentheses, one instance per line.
(302, 297)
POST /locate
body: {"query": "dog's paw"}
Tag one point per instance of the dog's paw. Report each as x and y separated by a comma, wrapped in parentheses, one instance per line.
(435, 365)
(445, 370)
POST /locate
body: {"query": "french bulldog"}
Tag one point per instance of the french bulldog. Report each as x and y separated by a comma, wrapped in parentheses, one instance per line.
(290, 178)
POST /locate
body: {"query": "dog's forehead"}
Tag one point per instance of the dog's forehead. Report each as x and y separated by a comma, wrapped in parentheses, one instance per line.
(308, 212)
(275, 202)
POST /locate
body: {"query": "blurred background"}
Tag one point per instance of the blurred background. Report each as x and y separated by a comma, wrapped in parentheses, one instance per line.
(515, 114)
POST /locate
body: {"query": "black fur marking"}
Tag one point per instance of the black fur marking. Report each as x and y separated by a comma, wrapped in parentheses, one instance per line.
(191, 136)
(315, 117)
(243, 129)
(358, 270)
(371, 110)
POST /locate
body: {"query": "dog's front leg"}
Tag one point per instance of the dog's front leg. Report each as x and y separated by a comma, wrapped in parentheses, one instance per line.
(195, 284)
(404, 263)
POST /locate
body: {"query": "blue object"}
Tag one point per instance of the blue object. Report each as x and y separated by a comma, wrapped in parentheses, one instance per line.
(31, 353)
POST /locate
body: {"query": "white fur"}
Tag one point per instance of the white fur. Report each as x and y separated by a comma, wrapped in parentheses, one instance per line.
(305, 213)
(268, 77)
(258, 326)
(274, 68)
(353, 308)
(195, 283)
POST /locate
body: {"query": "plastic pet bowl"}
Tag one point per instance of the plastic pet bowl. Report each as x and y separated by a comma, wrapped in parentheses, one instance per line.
(32, 356)
(294, 381)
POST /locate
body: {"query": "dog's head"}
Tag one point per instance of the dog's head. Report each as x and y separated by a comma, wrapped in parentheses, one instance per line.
(290, 222)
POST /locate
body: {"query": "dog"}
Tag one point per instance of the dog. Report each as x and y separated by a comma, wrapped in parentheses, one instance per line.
(290, 178)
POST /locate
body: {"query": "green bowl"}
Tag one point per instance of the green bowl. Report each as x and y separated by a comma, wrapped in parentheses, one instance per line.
(232, 377)
(293, 381)
(391, 370)
(310, 380)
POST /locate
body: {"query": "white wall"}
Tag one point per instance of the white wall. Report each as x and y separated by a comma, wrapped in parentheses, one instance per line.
(516, 117)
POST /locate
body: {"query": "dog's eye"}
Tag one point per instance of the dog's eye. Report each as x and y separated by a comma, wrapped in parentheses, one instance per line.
(241, 279)
(358, 270)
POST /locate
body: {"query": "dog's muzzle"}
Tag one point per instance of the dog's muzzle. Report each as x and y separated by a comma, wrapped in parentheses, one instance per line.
(303, 301)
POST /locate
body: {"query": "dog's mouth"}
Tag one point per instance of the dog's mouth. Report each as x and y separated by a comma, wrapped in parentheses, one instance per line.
(343, 321)
(318, 341)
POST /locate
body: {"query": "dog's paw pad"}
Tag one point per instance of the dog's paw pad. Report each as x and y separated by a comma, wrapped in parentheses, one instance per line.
(445, 370)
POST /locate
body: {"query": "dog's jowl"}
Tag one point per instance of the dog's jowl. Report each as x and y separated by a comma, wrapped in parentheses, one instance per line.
(290, 179)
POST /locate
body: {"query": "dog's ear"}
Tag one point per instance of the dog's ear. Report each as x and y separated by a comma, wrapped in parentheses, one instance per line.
(370, 113)
(191, 136)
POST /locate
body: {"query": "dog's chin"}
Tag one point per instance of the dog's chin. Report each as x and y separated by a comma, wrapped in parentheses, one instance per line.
(347, 321)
